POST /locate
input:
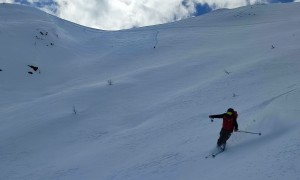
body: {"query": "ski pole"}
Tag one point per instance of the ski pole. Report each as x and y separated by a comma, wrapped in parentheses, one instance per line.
(250, 132)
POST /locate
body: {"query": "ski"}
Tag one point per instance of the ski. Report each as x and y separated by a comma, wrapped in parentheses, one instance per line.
(210, 155)
(214, 154)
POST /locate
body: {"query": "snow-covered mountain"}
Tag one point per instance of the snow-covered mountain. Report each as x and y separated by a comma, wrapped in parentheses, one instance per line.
(134, 104)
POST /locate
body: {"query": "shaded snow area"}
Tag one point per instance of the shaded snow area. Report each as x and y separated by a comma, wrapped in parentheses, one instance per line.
(79, 103)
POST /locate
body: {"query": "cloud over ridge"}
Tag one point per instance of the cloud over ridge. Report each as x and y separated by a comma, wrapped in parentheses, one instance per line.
(124, 14)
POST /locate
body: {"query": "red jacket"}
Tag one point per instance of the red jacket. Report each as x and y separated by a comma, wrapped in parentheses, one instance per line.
(229, 121)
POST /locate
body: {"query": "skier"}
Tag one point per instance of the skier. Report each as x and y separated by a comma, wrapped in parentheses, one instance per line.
(229, 124)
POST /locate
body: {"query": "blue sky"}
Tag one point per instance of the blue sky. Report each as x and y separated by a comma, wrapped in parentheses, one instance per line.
(202, 9)
(123, 14)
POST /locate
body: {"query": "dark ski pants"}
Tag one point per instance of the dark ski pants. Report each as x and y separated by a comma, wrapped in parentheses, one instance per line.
(224, 136)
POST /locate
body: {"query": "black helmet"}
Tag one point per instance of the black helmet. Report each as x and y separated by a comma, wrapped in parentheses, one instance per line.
(230, 110)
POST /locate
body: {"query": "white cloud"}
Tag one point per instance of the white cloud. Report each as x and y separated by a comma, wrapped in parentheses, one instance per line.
(122, 14)
(119, 14)
(6, 1)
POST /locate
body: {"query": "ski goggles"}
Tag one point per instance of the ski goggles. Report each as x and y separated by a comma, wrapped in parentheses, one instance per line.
(229, 113)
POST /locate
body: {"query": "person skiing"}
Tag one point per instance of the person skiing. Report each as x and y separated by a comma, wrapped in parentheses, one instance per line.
(229, 124)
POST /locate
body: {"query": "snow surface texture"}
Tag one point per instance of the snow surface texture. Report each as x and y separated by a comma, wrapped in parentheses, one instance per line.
(134, 104)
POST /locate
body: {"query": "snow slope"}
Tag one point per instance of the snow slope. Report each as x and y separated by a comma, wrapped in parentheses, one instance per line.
(152, 122)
